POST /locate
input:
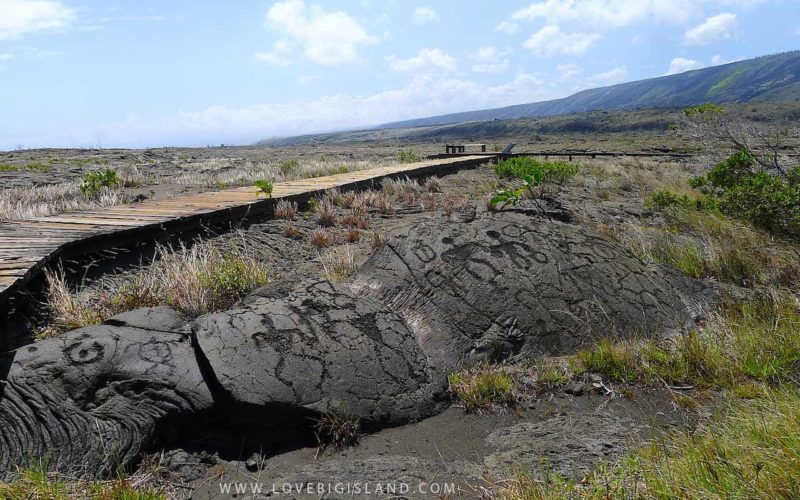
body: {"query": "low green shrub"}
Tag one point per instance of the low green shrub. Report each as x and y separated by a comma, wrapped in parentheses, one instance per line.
(93, 182)
(767, 200)
(519, 166)
(407, 156)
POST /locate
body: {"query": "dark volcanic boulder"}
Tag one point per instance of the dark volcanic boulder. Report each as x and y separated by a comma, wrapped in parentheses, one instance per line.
(507, 283)
(94, 398)
(317, 346)
(91, 399)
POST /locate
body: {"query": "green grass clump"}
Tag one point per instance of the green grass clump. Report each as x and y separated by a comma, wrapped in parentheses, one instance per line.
(32, 166)
(484, 387)
(708, 244)
(616, 360)
(93, 182)
(752, 452)
(549, 171)
(34, 482)
(752, 343)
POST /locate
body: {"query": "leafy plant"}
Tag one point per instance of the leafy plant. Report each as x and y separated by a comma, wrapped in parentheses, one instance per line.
(519, 166)
(513, 196)
(264, 187)
(744, 191)
(407, 156)
(93, 182)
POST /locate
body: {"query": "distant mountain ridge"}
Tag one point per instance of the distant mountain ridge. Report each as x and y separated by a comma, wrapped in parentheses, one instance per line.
(767, 78)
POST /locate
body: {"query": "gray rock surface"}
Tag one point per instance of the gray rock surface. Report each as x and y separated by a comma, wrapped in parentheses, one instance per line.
(92, 398)
(567, 445)
(501, 284)
(318, 346)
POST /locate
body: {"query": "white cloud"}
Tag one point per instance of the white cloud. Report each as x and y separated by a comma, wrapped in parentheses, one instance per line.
(305, 80)
(567, 72)
(550, 41)
(5, 57)
(507, 27)
(717, 59)
(681, 65)
(607, 13)
(713, 29)
(426, 61)
(325, 37)
(422, 96)
(797, 30)
(610, 77)
(19, 17)
(424, 15)
(491, 60)
(279, 55)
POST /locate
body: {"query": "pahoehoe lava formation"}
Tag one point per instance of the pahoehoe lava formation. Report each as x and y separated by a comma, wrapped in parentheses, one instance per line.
(447, 294)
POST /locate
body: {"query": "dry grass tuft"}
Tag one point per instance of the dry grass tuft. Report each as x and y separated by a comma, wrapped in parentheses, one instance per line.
(193, 281)
(339, 264)
(291, 231)
(429, 201)
(352, 235)
(321, 237)
(285, 210)
(325, 211)
(433, 184)
(38, 201)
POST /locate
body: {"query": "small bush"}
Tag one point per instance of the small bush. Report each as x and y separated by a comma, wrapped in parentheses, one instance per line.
(484, 387)
(766, 200)
(429, 201)
(290, 231)
(356, 221)
(352, 235)
(615, 360)
(407, 156)
(67, 311)
(519, 166)
(378, 240)
(93, 182)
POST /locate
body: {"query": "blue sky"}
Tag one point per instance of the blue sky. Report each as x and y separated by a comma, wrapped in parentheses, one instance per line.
(88, 73)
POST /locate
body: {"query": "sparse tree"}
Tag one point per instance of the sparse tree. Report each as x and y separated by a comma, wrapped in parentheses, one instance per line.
(767, 142)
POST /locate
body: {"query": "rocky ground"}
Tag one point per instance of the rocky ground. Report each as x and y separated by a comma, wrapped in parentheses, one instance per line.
(231, 396)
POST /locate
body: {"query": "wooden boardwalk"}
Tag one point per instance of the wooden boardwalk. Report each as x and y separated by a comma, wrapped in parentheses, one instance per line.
(27, 246)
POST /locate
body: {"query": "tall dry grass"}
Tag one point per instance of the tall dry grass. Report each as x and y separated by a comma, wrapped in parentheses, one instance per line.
(193, 281)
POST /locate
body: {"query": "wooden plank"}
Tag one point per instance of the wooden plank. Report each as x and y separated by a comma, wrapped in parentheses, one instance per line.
(25, 244)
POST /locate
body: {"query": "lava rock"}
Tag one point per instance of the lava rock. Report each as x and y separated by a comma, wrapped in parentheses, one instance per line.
(505, 284)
